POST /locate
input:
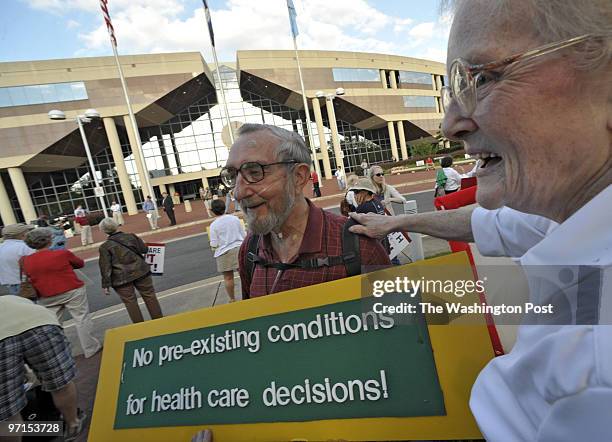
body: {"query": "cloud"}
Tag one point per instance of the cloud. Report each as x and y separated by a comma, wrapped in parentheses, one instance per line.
(148, 26)
(422, 30)
(71, 24)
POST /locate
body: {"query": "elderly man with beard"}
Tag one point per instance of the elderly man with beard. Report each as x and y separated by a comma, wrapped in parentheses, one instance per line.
(268, 168)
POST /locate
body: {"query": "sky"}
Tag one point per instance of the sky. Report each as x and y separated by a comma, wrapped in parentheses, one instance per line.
(51, 29)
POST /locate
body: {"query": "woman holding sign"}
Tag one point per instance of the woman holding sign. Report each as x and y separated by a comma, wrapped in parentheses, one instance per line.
(123, 267)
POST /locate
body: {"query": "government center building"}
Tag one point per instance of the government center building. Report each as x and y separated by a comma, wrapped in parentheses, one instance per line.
(361, 105)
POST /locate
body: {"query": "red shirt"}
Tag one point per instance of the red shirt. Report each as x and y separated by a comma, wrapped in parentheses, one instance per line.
(314, 177)
(51, 271)
(322, 237)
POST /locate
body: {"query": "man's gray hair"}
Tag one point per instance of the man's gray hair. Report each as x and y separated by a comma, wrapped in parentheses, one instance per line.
(108, 226)
(561, 20)
(39, 238)
(291, 147)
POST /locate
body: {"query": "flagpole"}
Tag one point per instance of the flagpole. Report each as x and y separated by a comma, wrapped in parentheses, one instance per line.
(139, 153)
(224, 102)
(294, 32)
(214, 52)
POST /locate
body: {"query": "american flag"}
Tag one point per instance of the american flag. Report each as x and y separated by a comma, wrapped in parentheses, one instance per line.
(107, 20)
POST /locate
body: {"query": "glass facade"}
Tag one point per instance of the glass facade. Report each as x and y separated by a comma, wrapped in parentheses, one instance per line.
(350, 74)
(191, 142)
(419, 101)
(42, 93)
(410, 77)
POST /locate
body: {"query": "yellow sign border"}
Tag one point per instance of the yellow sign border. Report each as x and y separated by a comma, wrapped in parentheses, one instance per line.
(460, 352)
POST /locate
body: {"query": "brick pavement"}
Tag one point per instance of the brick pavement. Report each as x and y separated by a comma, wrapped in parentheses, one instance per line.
(195, 222)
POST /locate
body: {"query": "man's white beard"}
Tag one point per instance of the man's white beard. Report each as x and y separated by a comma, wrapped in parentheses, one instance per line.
(273, 221)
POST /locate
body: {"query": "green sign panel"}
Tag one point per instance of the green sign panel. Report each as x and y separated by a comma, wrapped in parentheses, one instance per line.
(338, 361)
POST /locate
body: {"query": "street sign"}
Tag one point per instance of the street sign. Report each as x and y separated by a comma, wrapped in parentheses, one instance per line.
(99, 191)
(398, 242)
(155, 257)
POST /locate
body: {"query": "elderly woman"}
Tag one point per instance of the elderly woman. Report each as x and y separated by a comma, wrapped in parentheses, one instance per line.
(51, 272)
(529, 94)
(386, 194)
(123, 267)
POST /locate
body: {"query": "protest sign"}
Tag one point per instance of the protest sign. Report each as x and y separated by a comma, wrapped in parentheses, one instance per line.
(315, 363)
(155, 257)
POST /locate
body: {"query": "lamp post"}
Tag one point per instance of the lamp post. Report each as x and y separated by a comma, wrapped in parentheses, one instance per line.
(89, 115)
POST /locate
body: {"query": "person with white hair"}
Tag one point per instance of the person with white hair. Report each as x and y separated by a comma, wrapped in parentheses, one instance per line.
(529, 94)
(123, 267)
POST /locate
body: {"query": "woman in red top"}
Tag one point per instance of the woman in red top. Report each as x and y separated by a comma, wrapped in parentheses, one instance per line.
(52, 275)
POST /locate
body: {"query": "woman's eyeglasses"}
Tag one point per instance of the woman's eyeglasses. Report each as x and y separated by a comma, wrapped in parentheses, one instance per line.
(379, 174)
(465, 77)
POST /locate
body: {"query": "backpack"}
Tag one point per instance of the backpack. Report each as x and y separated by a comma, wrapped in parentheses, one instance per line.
(350, 257)
(440, 183)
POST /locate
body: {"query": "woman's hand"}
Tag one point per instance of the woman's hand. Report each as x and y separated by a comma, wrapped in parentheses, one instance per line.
(106, 291)
(374, 226)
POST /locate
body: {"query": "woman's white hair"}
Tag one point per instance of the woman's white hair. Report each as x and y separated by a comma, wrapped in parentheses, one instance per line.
(108, 226)
(557, 20)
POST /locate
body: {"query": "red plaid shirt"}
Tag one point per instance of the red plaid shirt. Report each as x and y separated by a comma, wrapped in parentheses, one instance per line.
(322, 238)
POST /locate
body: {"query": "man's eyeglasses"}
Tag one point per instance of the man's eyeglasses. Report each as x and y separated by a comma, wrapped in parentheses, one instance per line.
(465, 78)
(379, 174)
(252, 172)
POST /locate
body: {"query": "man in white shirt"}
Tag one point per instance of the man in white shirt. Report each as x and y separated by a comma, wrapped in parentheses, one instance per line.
(11, 251)
(117, 213)
(226, 236)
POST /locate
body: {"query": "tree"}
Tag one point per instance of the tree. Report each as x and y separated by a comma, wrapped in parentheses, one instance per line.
(423, 149)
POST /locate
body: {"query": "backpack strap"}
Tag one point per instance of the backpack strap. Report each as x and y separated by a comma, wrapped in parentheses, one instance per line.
(351, 253)
(350, 257)
(251, 257)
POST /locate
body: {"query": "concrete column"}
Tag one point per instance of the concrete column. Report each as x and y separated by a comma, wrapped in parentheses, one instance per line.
(402, 139)
(327, 173)
(383, 79)
(162, 188)
(134, 145)
(124, 179)
(6, 210)
(171, 190)
(391, 128)
(23, 196)
(205, 182)
(393, 79)
(331, 115)
(438, 80)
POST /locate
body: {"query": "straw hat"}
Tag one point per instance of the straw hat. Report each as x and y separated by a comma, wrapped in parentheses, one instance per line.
(363, 184)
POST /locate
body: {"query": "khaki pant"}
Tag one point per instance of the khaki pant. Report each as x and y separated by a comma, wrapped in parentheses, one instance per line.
(153, 218)
(75, 301)
(118, 218)
(147, 292)
(86, 235)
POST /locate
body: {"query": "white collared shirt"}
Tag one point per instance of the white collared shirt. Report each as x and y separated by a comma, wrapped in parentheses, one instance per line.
(116, 207)
(10, 252)
(556, 383)
(226, 233)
